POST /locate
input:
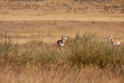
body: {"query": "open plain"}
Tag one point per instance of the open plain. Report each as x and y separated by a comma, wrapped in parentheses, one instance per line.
(50, 27)
(28, 35)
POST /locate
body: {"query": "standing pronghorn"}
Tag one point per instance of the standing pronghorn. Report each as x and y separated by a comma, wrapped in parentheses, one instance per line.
(60, 43)
(114, 42)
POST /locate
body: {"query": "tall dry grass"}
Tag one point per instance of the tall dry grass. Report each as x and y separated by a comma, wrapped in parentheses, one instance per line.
(84, 58)
(81, 51)
(56, 74)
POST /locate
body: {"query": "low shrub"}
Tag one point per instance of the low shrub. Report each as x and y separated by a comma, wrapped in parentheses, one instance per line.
(81, 51)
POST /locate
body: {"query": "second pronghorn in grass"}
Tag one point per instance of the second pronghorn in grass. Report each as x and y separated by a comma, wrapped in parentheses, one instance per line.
(60, 43)
(114, 42)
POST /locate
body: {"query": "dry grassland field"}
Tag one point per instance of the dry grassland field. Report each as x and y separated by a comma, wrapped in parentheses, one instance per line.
(29, 31)
(50, 31)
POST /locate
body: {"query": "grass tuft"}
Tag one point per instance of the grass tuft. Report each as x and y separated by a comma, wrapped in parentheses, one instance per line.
(81, 51)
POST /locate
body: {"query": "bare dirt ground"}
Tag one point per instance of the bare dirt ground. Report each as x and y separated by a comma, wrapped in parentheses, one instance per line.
(63, 16)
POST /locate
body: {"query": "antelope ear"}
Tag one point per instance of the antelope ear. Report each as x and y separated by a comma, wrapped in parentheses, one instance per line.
(111, 36)
(64, 35)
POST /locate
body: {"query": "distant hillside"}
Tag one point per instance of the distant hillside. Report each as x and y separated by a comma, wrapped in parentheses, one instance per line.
(57, 6)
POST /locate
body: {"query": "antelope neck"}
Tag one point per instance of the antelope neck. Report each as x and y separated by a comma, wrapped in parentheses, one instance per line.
(63, 39)
(112, 41)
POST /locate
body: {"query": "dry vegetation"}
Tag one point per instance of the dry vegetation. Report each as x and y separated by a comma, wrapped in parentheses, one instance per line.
(28, 52)
(57, 75)
(50, 31)
(63, 6)
(29, 31)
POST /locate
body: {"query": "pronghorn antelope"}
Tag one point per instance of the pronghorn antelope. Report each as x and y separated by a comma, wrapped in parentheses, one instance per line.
(114, 42)
(60, 43)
